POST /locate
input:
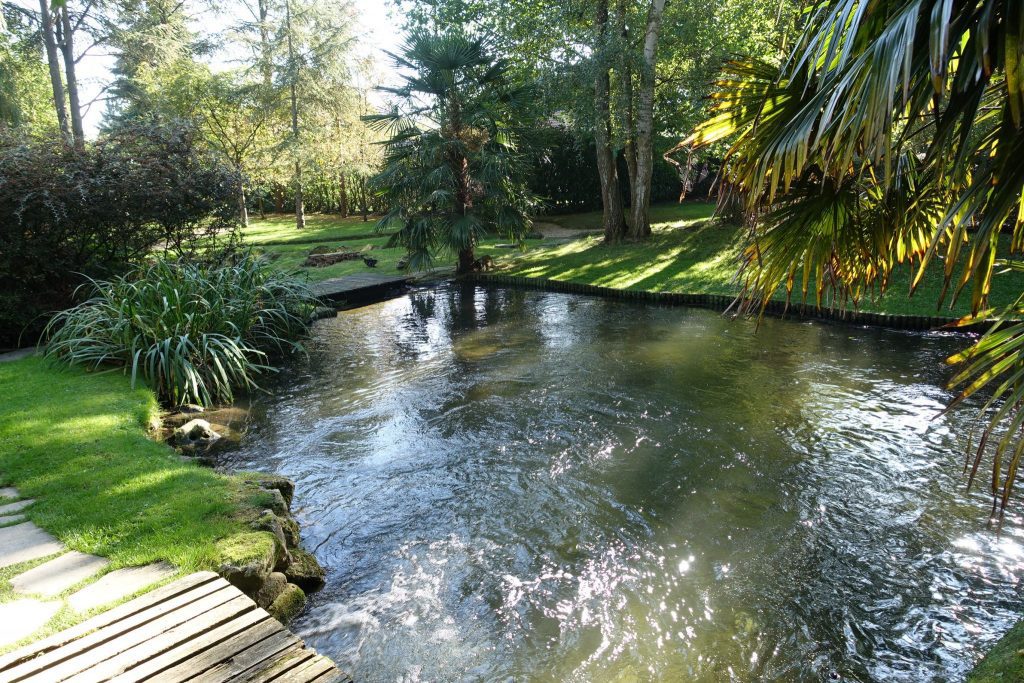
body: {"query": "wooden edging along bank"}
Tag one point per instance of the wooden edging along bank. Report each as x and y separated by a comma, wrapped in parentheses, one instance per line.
(721, 302)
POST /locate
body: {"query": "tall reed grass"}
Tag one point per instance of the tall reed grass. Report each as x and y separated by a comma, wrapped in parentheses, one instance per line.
(194, 332)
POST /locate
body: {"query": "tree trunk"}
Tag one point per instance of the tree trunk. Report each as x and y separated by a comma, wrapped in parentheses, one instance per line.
(467, 259)
(243, 210)
(627, 122)
(56, 82)
(300, 205)
(611, 195)
(342, 196)
(67, 46)
(641, 196)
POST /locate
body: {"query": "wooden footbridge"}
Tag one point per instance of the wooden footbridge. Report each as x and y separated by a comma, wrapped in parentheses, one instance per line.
(199, 629)
(360, 288)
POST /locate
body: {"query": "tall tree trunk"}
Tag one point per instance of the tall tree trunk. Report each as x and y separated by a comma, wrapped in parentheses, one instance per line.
(641, 196)
(342, 196)
(625, 70)
(300, 207)
(56, 81)
(67, 46)
(611, 195)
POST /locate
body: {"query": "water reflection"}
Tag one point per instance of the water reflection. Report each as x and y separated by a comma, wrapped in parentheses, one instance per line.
(527, 486)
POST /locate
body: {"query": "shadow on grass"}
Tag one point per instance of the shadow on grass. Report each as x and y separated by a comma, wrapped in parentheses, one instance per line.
(76, 442)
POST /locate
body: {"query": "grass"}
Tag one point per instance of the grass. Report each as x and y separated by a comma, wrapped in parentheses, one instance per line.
(290, 256)
(1004, 662)
(689, 252)
(77, 442)
(693, 253)
(279, 229)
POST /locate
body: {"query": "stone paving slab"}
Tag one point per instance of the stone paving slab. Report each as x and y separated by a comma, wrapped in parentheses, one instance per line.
(9, 492)
(24, 542)
(15, 507)
(119, 584)
(11, 519)
(56, 576)
(21, 618)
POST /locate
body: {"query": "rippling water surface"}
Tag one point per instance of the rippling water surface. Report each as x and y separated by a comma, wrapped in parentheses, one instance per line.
(511, 485)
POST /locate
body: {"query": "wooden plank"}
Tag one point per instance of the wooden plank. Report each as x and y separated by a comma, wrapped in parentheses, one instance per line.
(124, 632)
(197, 651)
(100, 646)
(308, 671)
(162, 595)
(205, 666)
(336, 676)
(277, 667)
(250, 660)
(120, 659)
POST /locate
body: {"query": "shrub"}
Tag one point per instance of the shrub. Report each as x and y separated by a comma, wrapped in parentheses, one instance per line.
(70, 214)
(194, 332)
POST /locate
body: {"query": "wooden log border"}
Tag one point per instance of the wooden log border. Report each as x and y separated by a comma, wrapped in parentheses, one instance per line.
(722, 302)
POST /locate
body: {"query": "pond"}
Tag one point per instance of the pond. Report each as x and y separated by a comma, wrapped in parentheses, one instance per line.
(508, 485)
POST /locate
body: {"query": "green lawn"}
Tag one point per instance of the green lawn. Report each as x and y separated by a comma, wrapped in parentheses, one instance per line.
(77, 442)
(689, 252)
(280, 229)
(692, 253)
(277, 237)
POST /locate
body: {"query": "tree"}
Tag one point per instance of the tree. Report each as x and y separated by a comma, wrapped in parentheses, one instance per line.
(236, 116)
(455, 161)
(892, 135)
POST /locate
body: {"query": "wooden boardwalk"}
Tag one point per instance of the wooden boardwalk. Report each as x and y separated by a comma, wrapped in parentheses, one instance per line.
(359, 287)
(199, 628)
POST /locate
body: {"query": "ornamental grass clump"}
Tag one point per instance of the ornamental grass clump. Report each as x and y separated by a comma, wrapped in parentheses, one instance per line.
(194, 332)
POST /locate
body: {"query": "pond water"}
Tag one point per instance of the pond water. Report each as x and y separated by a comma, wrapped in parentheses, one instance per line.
(509, 485)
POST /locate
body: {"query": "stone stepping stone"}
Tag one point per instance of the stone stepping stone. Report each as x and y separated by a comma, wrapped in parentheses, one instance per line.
(13, 519)
(24, 542)
(9, 492)
(21, 618)
(56, 576)
(119, 584)
(15, 507)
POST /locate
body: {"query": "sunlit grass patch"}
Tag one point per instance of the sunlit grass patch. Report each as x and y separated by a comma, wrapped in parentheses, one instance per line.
(76, 442)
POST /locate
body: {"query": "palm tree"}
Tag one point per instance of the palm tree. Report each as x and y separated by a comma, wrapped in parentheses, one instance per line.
(891, 135)
(454, 163)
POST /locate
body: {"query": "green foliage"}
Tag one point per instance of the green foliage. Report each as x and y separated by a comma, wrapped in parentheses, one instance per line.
(892, 135)
(71, 213)
(455, 162)
(194, 332)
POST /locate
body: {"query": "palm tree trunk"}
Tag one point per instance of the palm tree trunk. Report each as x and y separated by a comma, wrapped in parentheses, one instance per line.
(56, 81)
(614, 220)
(641, 196)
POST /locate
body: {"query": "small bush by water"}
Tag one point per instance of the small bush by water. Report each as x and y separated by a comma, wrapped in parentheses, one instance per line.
(194, 332)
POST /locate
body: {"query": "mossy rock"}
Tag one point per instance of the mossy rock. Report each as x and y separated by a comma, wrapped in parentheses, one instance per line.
(305, 571)
(288, 604)
(1004, 662)
(291, 531)
(246, 559)
(273, 482)
(271, 589)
